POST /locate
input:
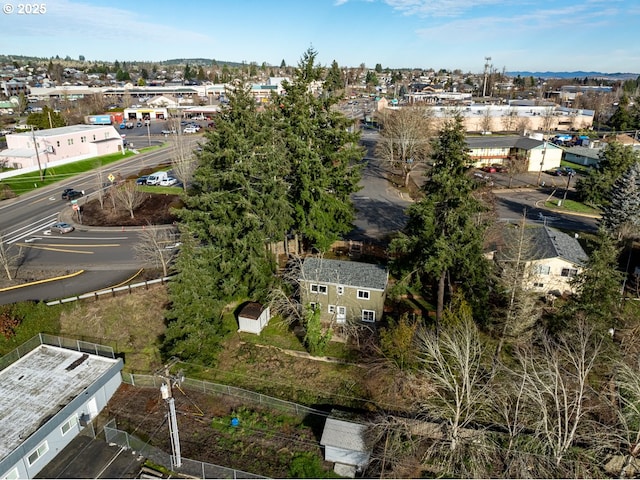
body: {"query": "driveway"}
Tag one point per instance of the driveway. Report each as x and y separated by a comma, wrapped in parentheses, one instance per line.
(380, 207)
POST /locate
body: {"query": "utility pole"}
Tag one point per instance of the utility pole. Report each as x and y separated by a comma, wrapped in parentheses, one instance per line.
(167, 396)
(35, 145)
(544, 154)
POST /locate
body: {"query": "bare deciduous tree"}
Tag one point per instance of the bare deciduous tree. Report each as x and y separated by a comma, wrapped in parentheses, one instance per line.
(128, 196)
(453, 363)
(557, 390)
(522, 311)
(157, 246)
(405, 139)
(509, 119)
(486, 122)
(183, 159)
(7, 258)
(99, 184)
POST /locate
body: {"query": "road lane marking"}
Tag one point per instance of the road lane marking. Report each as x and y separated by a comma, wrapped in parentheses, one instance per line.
(36, 247)
(70, 245)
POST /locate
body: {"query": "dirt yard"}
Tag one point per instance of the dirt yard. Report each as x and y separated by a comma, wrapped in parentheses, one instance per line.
(265, 442)
(154, 210)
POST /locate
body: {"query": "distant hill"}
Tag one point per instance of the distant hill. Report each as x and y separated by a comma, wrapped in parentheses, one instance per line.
(198, 61)
(577, 74)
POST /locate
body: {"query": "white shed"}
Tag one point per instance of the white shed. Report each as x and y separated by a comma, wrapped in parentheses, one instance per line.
(253, 318)
(344, 444)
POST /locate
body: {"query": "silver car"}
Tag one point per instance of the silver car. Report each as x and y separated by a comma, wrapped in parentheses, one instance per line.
(62, 227)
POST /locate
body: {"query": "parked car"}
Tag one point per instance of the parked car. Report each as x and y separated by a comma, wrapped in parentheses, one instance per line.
(190, 130)
(568, 171)
(489, 169)
(142, 180)
(123, 126)
(62, 227)
(138, 124)
(157, 178)
(71, 194)
(169, 181)
(169, 132)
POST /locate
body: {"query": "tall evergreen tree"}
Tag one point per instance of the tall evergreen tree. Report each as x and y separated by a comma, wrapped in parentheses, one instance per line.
(614, 160)
(323, 158)
(443, 237)
(621, 216)
(235, 208)
(622, 118)
(598, 284)
(334, 81)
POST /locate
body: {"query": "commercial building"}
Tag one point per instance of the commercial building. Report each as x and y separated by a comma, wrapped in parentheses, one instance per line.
(30, 151)
(50, 388)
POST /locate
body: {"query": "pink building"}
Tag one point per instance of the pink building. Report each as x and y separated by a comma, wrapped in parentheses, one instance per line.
(56, 146)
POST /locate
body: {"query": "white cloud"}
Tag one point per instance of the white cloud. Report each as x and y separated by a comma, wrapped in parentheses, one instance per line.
(438, 8)
(66, 18)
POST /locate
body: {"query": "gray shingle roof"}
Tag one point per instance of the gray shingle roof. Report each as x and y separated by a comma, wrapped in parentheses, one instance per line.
(340, 272)
(551, 243)
(507, 141)
(584, 152)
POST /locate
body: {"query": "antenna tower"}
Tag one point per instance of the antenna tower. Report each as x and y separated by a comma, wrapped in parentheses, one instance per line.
(487, 64)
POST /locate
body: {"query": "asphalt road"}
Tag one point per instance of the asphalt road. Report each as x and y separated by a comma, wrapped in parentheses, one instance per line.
(380, 207)
(106, 255)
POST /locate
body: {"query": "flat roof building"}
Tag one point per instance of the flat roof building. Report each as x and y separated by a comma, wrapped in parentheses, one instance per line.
(51, 389)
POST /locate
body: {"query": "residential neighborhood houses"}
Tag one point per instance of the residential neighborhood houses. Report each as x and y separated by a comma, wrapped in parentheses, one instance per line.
(400, 318)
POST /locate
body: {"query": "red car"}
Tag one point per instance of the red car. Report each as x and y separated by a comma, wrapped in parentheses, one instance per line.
(489, 169)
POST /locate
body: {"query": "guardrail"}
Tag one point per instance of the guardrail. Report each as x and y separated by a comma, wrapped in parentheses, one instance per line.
(109, 291)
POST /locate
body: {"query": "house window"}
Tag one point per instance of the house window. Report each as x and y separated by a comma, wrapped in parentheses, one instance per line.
(69, 141)
(340, 290)
(318, 288)
(94, 138)
(57, 143)
(542, 269)
(12, 475)
(363, 294)
(368, 316)
(38, 452)
(68, 425)
(332, 309)
(569, 272)
(538, 285)
(83, 139)
(314, 306)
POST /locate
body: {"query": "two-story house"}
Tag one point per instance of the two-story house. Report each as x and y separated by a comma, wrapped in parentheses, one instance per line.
(551, 258)
(343, 291)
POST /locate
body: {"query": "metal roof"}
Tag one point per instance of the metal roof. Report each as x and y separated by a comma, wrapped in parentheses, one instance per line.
(341, 434)
(50, 132)
(40, 384)
(341, 272)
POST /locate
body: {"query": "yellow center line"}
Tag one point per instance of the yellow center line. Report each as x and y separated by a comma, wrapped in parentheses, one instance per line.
(72, 245)
(60, 250)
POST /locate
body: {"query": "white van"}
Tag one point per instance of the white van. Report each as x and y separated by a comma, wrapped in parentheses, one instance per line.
(156, 178)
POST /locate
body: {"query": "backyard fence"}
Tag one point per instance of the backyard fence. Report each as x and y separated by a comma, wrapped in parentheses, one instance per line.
(112, 292)
(210, 388)
(193, 468)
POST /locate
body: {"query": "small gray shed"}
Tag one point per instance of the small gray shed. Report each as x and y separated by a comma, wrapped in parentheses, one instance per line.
(253, 318)
(344, 443)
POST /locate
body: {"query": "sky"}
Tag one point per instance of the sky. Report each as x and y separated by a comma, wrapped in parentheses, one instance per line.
(516, 35)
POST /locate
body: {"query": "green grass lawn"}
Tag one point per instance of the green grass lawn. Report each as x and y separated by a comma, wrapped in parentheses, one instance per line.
(27, 182)
(571, 206)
